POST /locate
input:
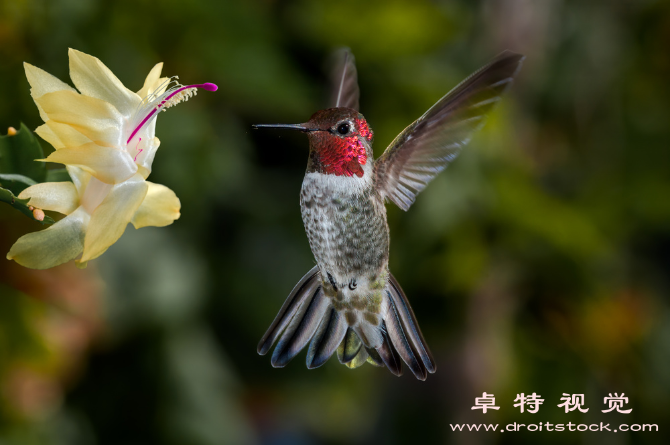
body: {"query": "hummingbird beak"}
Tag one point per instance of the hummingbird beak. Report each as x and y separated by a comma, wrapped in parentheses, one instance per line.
(298, 127)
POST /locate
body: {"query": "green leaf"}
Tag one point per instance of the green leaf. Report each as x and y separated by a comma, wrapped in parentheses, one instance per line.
(21, 205)
(15, 183)
(18, 154)
(58, 175)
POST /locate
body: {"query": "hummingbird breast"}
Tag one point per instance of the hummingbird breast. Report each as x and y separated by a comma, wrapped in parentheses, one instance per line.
(345, 221)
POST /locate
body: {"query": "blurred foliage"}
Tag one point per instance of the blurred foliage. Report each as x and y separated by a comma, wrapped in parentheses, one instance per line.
(18, 169)
(538, 262)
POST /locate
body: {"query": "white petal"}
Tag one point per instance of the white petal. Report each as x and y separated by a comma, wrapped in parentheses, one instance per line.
(159, 208)
(61, 135)
(60, 197)
(152, 81)
(98, 120)
(42, 83)
(94, 79)
(56, 245)
(96, 192)
(146, 158)
(110, 219)
(79, 178)
(160, 86)
(110, 165)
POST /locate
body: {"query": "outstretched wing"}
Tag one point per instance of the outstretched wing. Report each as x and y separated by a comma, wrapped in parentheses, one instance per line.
(344, 80)
(428, 145)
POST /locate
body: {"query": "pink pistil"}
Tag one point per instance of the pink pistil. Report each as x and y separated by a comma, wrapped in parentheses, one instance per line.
(205, 86)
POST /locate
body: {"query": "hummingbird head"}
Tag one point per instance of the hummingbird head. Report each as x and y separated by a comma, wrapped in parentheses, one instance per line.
(340, 141)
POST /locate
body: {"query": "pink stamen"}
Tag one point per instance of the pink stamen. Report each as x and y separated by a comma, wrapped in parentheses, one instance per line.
(141, 150)
(205, 86)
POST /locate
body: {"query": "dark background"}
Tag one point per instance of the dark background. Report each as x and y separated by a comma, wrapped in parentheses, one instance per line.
(538, 262)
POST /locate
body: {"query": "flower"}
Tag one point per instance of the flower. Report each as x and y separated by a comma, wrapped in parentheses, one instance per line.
(104, 134)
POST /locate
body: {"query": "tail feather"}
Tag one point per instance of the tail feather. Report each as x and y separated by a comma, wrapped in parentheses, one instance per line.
(399, 340)
(308, 315)
(328, 337)
(360, 359)
(409, 325)
(373, 357)
(305, 288)
(352, 354)
(301, 328)
(349, 348)
(389, 355)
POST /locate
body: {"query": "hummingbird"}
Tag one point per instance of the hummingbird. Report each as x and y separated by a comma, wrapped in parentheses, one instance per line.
(350, 302)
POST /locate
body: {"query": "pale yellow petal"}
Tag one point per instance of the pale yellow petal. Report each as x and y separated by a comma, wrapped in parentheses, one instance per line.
(110, 219)
(80, 178)
(61, 135)
(96, 192)
(94, 118)
(42, 83)
(110, 165)
(56, 245)
(146, 158)
(60, 197)
(159, 208)
(161, 85)
(143, 171)
(94, 79)
(46, 133)
(152, 81)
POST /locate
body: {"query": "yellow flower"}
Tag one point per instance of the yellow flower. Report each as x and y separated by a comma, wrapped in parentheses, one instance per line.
(104, 134)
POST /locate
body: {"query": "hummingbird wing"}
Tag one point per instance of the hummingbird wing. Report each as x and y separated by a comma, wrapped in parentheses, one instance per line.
(428, 145)
(344, 80)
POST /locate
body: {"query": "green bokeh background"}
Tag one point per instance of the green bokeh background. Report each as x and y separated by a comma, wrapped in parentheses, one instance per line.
(538, 262)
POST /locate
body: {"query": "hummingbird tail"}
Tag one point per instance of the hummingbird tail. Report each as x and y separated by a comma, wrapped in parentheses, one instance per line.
(297, 320)
(402, 340)
(308, 315)
(402, 335)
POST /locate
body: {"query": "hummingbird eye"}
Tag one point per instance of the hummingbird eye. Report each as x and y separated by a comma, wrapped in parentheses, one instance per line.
(344, 128)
